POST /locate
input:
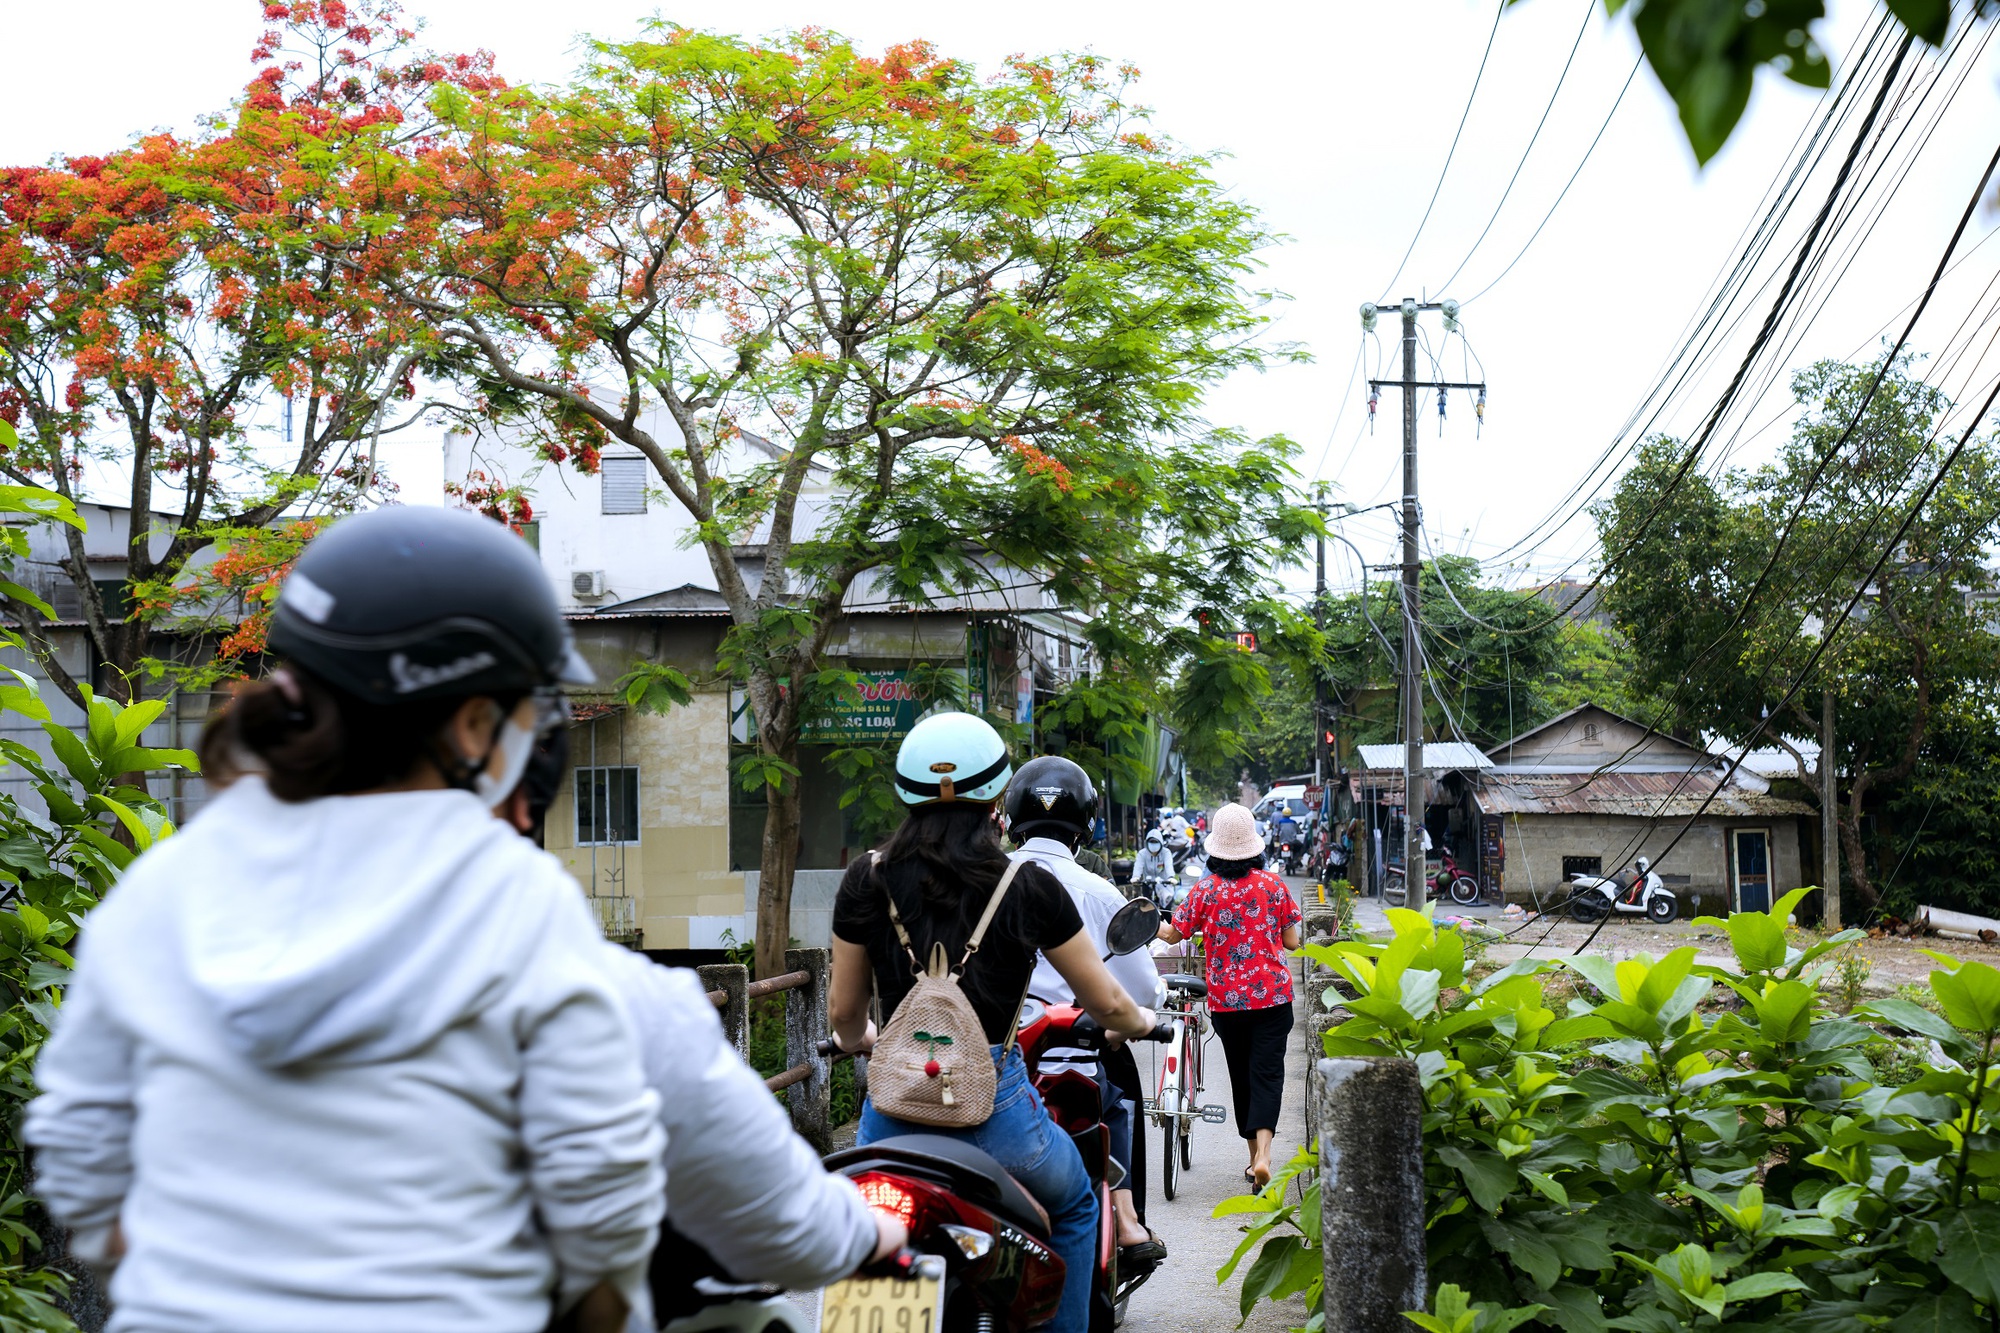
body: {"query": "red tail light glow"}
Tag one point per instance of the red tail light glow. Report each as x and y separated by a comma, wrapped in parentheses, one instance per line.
(887, 1197)
(1170, 1064)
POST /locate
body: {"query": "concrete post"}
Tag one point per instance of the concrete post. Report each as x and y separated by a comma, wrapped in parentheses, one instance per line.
(806, 1026)
(1371, 1165)
(733, 979)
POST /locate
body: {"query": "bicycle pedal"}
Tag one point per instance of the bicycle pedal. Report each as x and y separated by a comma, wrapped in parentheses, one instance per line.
(1215, 1115)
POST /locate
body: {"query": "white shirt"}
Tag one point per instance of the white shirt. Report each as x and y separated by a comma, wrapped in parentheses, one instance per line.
(348, 1065)
(771, 1215)
(1096, 902)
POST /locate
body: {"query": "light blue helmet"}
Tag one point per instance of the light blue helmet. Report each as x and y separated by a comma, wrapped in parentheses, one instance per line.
(952, 757)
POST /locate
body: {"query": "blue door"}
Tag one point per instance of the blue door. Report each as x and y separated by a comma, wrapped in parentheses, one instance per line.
(1750, 860)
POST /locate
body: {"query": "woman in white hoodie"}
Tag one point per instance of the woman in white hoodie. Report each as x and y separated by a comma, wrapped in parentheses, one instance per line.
(341, 1055)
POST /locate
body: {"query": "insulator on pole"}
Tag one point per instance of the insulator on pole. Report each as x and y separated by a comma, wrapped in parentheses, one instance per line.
(1479, 412)
(1441, 397)
(1374, 397)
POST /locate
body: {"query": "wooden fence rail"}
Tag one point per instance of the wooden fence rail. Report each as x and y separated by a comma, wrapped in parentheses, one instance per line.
(807, 1080)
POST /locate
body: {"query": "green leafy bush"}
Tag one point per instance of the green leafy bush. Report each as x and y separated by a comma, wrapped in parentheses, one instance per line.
(54, 868)
(1683, 1146)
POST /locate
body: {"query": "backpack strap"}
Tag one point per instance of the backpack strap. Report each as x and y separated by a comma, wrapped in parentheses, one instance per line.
(986, 917)
(902, 935)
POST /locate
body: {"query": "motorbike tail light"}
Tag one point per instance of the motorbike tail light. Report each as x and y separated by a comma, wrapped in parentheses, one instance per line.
(889, 1197)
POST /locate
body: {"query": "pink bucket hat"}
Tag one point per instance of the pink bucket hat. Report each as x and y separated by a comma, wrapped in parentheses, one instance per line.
(1233, 836)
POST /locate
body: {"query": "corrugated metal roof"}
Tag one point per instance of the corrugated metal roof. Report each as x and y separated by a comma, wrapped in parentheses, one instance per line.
(1646, 795)
(1439, 756)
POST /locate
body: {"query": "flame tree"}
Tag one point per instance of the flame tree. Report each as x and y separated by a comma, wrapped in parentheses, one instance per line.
(982, 312)
(156, 299)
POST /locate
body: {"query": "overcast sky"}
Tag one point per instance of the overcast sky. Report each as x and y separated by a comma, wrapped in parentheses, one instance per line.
(1335, 118)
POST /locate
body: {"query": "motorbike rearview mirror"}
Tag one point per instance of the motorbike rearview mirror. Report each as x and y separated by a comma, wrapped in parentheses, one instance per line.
(1132, 927)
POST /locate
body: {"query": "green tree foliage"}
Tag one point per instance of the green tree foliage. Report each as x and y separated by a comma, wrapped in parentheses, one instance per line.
(1501, 660)
(1658, 1144)
(55, 863)
(977, 313)
(1730, 583)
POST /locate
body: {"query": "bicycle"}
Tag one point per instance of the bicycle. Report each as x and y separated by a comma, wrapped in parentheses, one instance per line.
(1177, 1104)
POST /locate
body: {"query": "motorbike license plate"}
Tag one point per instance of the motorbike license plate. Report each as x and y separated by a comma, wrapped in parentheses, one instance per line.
(883, 1305)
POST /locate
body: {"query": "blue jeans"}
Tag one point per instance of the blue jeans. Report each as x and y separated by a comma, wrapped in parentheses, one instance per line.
(1021, 1137)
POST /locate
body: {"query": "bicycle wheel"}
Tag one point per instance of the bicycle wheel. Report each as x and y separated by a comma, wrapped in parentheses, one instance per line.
(1191, 1063)
(1170, 1179)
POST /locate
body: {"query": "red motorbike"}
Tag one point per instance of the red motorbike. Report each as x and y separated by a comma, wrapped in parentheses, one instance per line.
(979, 1259)
(1449, 882)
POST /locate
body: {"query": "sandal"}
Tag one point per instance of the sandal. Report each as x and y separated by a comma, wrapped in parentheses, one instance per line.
(1148, 1251)
(1249, 1176)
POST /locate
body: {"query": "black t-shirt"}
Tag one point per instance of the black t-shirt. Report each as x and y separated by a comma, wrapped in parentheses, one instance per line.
(1036, 914)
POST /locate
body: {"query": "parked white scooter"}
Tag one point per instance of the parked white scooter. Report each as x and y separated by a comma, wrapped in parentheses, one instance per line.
(1592, 898)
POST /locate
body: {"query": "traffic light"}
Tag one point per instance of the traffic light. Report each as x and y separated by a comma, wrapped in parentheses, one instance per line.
(1246, 642)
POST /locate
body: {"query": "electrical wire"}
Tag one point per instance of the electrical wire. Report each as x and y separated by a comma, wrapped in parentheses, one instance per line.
(1805, 252)
(1887, 550)
(1562, 194)
(1359, 353)
(1703, 330)
(1444, 171)
(1589, 8)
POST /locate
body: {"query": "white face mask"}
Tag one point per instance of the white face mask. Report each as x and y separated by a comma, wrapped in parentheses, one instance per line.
(505, 764)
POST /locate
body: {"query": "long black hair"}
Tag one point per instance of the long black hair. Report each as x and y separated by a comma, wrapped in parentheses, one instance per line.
(950, 853)
(1232, 870)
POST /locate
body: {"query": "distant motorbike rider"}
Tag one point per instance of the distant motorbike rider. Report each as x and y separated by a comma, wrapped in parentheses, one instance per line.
(1177, 831)
(1049, 806)
(1154, 862)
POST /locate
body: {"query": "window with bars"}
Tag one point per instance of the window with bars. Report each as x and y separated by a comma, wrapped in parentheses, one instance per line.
(624, 481)
(607, 805)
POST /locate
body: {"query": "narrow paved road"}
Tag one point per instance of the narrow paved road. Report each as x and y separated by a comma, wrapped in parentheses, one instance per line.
(1185, 1295)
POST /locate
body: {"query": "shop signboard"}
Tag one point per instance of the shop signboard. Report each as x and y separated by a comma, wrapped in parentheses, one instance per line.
(880, 705)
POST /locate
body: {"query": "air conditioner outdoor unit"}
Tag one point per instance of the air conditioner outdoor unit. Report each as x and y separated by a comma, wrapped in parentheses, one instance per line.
(587, 584)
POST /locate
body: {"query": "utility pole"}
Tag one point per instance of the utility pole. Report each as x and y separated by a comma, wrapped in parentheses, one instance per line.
(1829, 833)
(1414, 869)
(1415, 872)
(1320, 764)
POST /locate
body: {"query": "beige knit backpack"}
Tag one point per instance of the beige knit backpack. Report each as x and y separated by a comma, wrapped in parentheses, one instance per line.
(931, 1065)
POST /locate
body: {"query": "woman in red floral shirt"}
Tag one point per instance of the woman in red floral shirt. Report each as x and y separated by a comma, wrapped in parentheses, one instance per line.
(1249, 921)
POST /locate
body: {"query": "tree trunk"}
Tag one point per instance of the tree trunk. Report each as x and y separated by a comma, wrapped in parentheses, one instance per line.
(780, 859)
(1850, 842)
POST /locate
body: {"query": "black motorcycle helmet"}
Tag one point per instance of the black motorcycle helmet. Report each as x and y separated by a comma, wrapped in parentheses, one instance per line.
(407, 603)
(1051, 797)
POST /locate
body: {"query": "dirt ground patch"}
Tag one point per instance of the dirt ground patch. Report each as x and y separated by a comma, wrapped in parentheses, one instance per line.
(1892, 962)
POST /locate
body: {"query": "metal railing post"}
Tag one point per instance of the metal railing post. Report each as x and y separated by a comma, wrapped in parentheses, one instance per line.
(806, 1026)
(732, 982)
(1371, 1193)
